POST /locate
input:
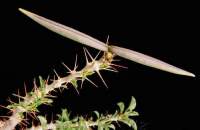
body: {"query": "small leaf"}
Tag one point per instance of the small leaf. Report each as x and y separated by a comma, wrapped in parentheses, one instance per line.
(125, 121)
(129, 122)
(74, 83)
(42, 82)
(64, 116)
(97, 114)
(75, 119)
(134, 113)
(100, 127)
(82, 124)
(121, 106)
(43, 122)
(132, 104)
(106, 128)
(112, 126)
(134, 125)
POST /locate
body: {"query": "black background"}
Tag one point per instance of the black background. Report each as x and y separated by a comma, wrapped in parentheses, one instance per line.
(167, 31)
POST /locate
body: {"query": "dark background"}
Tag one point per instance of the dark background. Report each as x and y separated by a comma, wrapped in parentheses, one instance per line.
(167, 31)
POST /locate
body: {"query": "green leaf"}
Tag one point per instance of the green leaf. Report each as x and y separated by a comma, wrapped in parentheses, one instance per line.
(134, 125)
(106, 128)
(133, 113)
(75, 119)
(129, 122)
(43, 122)
(42, 82)
(82, 124)
(132, 104)
(42, 85)
(64, 116)
(100, 127)
(112, 126)
(74, 83)
(121, 106)
(97, 114)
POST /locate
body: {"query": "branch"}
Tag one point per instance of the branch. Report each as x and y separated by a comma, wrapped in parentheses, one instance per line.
(102, 122)
(40, 94)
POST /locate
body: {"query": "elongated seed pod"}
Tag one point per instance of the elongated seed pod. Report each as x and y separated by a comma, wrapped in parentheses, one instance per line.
(66, 31)
(92, 42)
(148, 61)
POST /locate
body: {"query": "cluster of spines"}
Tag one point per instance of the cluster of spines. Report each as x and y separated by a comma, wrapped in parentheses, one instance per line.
(40, 94)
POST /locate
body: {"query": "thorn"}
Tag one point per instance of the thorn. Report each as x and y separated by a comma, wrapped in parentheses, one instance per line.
(75, 64)
(4, 107)
(118, 124)
(89, 55)
(91, 82)
(52, 117)
(25, 89)
(26, 116)
(45, 116)
(97, 55)
(58, 77)
(64, 86)
(10, 112)
(9, 100)
(50, 96)
(35, 86)
(60, 89)
(77, 91)
(47, 80)
(67, 67)
(112, 70)
(102, 78)
(75, 87)
(82, 80)
(26, 121)
(18, 96)
(54, 78)
(23, 124)
(107, 39)
(32, 115)
(120, 66)
(85, 56)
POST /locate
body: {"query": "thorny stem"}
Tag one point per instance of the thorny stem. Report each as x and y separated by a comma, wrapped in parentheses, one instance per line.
(38, 96)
